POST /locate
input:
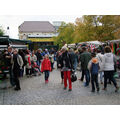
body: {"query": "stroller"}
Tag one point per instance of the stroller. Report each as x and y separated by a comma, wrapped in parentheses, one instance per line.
(35, 69)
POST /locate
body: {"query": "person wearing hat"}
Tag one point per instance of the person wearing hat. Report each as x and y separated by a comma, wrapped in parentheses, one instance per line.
(93, 66)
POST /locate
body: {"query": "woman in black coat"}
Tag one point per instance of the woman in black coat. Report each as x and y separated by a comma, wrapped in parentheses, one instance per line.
(67, 66)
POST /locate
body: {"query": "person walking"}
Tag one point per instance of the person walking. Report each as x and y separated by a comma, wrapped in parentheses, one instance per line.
(46, 67)
(17, 64)
(85, 58)
(93, 66)
(108, 67)
(67, 66)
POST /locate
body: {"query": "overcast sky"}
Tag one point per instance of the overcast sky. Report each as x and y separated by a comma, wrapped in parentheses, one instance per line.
(13, 21)
(66, 10)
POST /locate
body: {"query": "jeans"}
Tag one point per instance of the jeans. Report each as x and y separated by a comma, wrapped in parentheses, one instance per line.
(39, 63)
(67, 75)
(101, 75)
(21, 72)
(75, 64)
(12, 82)
(87, 76)
(47, 72)
(94, 81)
(109, 75)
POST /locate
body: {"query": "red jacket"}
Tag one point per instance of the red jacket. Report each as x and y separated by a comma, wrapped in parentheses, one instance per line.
(46, 65)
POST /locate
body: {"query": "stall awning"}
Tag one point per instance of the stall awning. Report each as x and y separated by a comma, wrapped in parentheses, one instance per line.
(21, 41)
(10, 40)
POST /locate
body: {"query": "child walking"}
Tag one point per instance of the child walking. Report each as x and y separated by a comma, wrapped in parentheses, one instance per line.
(46, 67)
(93, 66)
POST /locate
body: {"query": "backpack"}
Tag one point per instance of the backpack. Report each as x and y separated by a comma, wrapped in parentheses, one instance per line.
(95, 68)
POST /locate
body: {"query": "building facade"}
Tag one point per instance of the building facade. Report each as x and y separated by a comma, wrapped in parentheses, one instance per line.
(41, 33)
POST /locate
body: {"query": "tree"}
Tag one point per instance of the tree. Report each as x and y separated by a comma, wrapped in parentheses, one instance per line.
(65, 34)
(1, 31)
(84, 30)
(97, 27)
(90, 28)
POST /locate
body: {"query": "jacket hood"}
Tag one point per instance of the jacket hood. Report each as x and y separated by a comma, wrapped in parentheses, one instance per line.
(108, 54)
(94, 60)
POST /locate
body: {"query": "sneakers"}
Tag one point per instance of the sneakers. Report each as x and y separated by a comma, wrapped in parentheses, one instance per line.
(46, 81)
(64, 88)
(70, 90)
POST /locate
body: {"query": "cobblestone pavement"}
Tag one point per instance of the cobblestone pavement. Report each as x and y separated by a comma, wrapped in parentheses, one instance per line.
(34, 91)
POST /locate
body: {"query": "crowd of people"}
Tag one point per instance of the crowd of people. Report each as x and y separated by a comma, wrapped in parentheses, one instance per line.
(30, 63)
(92, 64)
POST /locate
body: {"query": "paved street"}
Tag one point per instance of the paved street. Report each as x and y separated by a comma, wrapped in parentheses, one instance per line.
(35, 92)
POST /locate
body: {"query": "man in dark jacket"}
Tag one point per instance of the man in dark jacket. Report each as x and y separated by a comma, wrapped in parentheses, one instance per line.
(85, 58)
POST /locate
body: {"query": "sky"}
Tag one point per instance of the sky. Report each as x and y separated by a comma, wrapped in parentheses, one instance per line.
(13, 21)
(14, 12)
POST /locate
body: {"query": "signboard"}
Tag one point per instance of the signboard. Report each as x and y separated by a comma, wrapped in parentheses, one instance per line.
(41, 39)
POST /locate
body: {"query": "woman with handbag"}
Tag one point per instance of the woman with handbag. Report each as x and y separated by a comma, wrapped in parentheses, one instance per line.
(66, 65)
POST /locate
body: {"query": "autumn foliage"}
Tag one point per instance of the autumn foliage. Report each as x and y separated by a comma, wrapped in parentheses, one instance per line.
(89, 28)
